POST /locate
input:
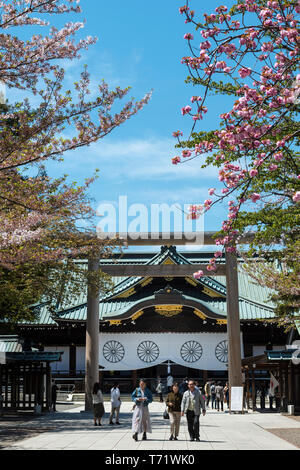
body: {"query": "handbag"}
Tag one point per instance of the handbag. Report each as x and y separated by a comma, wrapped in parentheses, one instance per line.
(166, 414)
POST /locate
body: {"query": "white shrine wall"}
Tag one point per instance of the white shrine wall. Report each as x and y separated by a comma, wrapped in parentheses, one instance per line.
(128, 351)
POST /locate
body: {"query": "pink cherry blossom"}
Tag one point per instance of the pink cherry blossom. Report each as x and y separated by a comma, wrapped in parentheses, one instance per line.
(250, 141)
(186, 110)
(198, 274)
(296, 196)
(255, 197)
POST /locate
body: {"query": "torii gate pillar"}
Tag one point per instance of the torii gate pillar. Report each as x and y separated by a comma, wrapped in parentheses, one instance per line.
(233, 322)
(92, 337)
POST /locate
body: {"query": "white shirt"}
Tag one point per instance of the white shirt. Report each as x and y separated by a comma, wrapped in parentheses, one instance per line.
(191, 400)
(98, 398)
(115, 397)
(169, 381)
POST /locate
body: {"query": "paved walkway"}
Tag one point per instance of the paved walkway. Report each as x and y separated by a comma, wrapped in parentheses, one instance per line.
(70, 430)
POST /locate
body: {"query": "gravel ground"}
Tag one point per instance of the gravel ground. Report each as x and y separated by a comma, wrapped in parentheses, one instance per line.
(291, 435)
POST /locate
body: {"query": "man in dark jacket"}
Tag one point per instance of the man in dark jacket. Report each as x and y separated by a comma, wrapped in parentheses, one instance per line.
(183, 386)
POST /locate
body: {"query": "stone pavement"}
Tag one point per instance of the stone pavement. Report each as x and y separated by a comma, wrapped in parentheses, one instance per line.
(72, 430)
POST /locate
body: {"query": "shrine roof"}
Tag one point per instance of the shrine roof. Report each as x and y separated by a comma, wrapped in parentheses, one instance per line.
(10, 343)
(130, 293)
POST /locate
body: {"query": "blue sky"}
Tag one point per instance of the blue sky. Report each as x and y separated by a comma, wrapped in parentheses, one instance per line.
(141, 45)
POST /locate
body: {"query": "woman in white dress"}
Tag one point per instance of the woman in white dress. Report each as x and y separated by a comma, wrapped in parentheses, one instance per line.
(141, 423)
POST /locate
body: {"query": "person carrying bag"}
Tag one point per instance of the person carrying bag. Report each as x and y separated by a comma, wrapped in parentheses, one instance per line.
(173, 402)
(166, 414)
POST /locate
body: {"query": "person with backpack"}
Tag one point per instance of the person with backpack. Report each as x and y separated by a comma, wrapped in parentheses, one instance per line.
(219, 396)
(213, 395)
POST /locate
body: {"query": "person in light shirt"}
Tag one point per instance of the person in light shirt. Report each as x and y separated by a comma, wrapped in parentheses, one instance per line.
(191, 405)
(170, 381)
(98, 404)
(115, 403)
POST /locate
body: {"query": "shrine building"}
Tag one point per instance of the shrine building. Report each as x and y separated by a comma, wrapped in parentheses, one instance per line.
(149, 326)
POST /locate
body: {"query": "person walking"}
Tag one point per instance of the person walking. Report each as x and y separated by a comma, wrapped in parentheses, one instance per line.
(115, 403)
(191, 405)
(141, 422)
(207, 392)
(53, 395)
(183, 386)
(98, 404)
(169, 383)
(262, 396)
(271, 394)
(219, 396)
(226, 394)
(213, 395)
(159, 391)
(173, 401)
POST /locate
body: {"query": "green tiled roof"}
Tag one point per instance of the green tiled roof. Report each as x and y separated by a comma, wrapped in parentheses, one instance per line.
(253, 298)
(285, 355)
(115, 309)
(250, 290)
(34, 356)
(9, 344)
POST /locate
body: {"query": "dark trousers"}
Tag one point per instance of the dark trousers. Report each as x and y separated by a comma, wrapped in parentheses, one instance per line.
(53, 403)
(218, 404)
(227, 399)
(207, 400)
(193, 424)
(160, 397)
(213, 401)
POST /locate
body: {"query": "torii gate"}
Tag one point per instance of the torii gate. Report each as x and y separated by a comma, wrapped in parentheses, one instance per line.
(146, 239)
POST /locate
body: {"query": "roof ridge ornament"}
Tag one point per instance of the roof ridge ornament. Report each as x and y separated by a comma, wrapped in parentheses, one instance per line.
(169, 248)
(168, 290)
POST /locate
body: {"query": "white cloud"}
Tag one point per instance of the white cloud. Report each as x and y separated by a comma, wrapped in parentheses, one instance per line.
(140, 158)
